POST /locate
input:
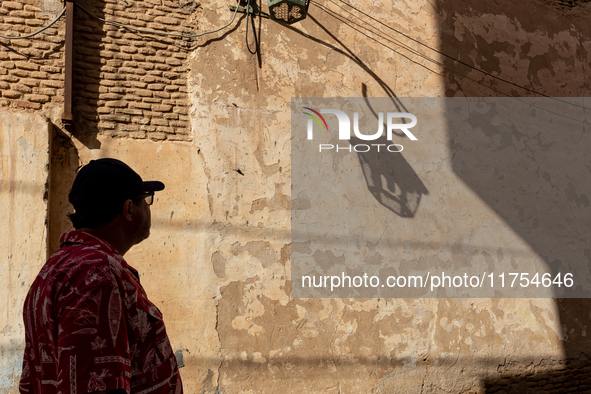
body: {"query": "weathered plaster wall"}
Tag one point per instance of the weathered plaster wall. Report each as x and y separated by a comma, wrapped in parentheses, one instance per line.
(269, 341)
(24, 153)
(217, 263)
(544, 47)
(344, 345)
(539, 46)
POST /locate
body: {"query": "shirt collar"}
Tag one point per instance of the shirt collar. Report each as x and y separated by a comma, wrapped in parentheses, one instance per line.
(84, 238)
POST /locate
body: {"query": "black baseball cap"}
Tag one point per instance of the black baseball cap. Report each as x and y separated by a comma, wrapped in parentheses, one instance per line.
(108, 181)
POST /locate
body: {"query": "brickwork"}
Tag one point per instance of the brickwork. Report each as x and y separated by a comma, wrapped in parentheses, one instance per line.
(567, 4)
(129, 84)
(31, 70)
(566, 379)
(125, 84)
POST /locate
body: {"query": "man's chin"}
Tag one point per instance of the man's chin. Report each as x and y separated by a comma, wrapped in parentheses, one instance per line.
(142, 237)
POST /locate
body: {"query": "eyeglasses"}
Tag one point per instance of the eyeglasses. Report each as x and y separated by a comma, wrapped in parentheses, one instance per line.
(149, 196)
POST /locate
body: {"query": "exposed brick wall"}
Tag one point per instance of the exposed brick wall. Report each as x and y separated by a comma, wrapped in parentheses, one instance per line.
(125, 84)
(566, 4)
(569, 378)
(128, 84)
(31, 70)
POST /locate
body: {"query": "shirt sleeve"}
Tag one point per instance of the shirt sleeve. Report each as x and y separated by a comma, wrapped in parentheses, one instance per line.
(93, 345)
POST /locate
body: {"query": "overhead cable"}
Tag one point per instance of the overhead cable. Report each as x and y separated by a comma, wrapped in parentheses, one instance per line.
(383, 36)
(379, 33)
(38, 31)
(438, 51)
(250, 15)
(387, 37)
(194, 35)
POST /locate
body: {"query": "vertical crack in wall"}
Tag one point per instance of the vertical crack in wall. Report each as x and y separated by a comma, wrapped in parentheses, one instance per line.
(217, 316)
(207, 183)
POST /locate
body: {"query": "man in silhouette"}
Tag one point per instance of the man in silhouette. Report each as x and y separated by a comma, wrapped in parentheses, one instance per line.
(89, 326)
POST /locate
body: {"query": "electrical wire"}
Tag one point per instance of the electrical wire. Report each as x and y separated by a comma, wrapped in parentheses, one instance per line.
(357, 27)
(38, 31)
(391, 39)
(379, 33)
(250, 15)
(449, 57)
(438, 51)
(194, 35)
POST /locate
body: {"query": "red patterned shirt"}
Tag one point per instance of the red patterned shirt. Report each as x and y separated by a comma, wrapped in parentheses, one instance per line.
(90, 327)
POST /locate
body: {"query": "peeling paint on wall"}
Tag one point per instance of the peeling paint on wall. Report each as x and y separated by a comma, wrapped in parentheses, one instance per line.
(24, 148)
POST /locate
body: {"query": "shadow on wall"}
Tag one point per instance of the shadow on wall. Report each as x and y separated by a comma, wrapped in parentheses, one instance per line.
(540, 186)
(87, 63)
(345, 52)
(391, 179)
(562, 381)
(63, 168)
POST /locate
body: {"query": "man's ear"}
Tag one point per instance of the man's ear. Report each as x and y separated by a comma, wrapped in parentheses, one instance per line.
(128, 210)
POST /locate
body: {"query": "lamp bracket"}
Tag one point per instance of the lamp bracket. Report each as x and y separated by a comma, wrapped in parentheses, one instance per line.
(250, 10)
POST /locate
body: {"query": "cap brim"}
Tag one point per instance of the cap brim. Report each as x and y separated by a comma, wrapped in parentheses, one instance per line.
(152, 186)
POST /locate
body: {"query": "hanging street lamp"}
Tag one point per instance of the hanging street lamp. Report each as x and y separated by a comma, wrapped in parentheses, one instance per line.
(288, 11)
